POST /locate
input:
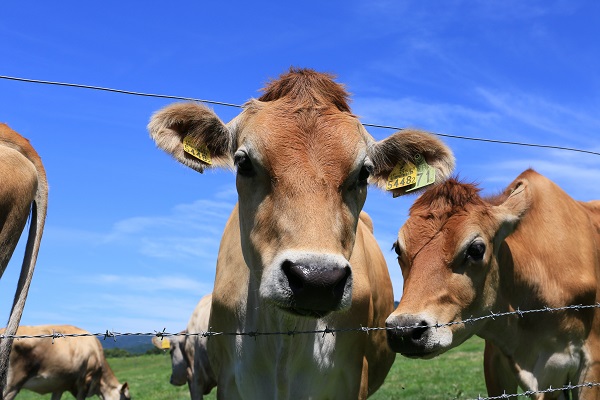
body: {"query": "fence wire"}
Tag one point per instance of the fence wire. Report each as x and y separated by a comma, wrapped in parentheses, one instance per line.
(221, 103)
(162, 334)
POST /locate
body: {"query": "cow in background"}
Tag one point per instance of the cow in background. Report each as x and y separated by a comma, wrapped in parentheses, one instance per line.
(71, 364)
(531, 247)
(23, 189)
(189, 356)
(297, 253)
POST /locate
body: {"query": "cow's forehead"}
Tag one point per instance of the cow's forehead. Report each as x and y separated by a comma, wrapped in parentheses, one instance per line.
(321, 142)
(446, 231)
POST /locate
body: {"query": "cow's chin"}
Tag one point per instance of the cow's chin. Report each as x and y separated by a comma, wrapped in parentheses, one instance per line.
(300, 312)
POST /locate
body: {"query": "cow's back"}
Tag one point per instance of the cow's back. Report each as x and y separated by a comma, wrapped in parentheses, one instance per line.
(368, 259)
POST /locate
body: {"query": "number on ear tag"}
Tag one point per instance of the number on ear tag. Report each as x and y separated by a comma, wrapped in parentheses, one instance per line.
(402, 175)
(425, 173)
(201, 152)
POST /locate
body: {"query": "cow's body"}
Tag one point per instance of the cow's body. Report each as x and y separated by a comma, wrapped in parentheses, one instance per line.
(531, 247)
(23, 188)
(71, 364)
(189, 354)
(296, 254)
(340, 365)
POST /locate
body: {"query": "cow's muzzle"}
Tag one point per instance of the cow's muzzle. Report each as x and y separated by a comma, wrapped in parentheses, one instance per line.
(417, 336)
(318, 286)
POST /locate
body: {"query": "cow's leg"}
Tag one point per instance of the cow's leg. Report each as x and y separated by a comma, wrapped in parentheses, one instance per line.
(56, 395)
(499, 377)
(195, 391)
(11, 393)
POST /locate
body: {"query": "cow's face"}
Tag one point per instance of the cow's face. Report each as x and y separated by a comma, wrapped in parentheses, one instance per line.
(303, 163)
(448, 252)
(179, 364)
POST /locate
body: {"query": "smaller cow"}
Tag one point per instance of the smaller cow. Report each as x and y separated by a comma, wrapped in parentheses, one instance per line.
(72, 364)
(189, 356)
(531, 247)
(23, 189)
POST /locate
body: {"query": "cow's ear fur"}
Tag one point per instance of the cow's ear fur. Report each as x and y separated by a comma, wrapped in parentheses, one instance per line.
(403, 146)
(170, 125)
(509, 213)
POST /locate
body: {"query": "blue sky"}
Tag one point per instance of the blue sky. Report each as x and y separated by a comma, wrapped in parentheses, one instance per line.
(131, 236)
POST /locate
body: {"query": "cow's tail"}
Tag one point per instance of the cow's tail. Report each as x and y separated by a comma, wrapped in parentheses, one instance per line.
(39, 208)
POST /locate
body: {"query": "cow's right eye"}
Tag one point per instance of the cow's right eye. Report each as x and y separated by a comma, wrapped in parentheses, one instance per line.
(476, 250)
(243, 164)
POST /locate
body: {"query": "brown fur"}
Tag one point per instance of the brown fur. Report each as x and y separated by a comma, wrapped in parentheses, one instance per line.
(307, 89)
(23, 188)
(70, 364)
(542, 249)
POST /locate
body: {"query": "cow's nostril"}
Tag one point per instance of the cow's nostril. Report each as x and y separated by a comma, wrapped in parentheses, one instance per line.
(294, 277)
(418, 331)
(338, 290)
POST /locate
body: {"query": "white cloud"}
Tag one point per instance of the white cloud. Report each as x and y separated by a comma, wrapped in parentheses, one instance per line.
(565, 123)
(146, 284)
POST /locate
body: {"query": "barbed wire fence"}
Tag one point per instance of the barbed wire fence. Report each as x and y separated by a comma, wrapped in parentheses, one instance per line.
(162, 334)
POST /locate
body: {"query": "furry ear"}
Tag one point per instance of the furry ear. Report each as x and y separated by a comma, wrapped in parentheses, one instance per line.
(408, 145)
(204, 133)
(509, 213)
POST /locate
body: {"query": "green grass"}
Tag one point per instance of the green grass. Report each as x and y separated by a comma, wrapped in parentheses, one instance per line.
(457, 374)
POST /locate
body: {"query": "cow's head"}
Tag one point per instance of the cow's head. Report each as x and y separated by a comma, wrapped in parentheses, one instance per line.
(448, 252)
(180, 368)
(303, 163)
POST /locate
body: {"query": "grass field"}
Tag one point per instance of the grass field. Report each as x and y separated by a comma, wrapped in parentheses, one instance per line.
(457, 374)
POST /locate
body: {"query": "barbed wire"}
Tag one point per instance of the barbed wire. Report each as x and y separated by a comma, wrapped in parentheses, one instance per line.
(221, 103)
(164, 335)
(548, 390)
(325, 331)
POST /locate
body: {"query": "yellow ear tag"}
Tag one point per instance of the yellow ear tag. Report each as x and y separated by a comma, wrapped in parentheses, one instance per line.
(425, 173)
(201, 152)
(165, 343)
(402, 175)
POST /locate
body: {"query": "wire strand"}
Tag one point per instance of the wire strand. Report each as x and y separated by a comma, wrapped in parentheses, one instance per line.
(221, 103)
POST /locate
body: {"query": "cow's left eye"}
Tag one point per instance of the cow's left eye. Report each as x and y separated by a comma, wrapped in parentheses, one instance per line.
(476, 250)
(364, 174)
(244, 164)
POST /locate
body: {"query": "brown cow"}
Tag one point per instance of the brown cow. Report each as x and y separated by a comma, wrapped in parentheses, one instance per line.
(297, 254)
(23, 188)
(71, 364)
(531, 247)
(189, 355)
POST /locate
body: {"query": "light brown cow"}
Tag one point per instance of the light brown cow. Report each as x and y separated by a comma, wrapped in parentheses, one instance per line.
(189, 354)
(23, 188)
(297, 254)
(531, 247)
(70, 364)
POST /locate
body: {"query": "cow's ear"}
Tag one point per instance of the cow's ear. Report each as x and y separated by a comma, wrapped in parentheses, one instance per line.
(193, 135)
(411, 146)
(125, 390)
(509, 213)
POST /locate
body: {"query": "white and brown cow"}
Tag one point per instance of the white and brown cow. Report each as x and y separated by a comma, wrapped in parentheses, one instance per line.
(189, 354)
(297, 254)
(23, 189)
(70, 364)
(531, 247)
